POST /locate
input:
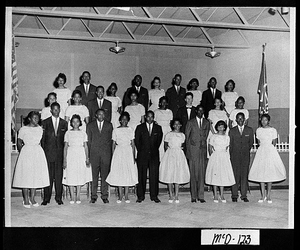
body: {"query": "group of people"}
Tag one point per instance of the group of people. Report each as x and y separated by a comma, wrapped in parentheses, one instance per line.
(180, 136)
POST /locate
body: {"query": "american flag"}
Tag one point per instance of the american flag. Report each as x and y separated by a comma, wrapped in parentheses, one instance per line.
(263, 87)
(14, 87)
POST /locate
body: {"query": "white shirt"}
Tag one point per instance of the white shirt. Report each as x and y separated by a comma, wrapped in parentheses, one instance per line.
(100, 102)
(98, 124)
(241, 129)
(149, 126)
(198, 120)
(138, 88)
(213, 91)
(86, 87)
(189, 109)
(54, 121)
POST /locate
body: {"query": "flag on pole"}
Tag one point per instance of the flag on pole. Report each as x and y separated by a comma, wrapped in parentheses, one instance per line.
(14, 87)
(263, 87)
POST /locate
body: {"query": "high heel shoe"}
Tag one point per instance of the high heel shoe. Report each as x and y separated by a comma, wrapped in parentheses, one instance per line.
(72, 202)
(170, 200)
(223, 200)
(26, 206)
(216, 200)
(78, 202)
(261, 200)
(127, 200)
(119, 201)
(34, 205)
(269, 201)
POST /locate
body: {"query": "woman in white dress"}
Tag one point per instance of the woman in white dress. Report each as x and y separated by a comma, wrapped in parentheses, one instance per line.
(163, 117)
(77, 170)
(123, 172)
(135, 110)
(193, 88)
(62, 92)
(79, 109)
(31, 169)
(116, 104)
(229, 96)
(219, 171)
(155, 93)
(173, 168)
(267, 166)
(239, 107)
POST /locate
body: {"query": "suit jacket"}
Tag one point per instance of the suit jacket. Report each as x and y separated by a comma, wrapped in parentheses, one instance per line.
(175, 100)
(240, 146)
(91, 94)
(183, 116)
(196, 138)
(99, 143)
(53, 145)
(143, 97)
(208, 101)
(148, 146)
(93, 107)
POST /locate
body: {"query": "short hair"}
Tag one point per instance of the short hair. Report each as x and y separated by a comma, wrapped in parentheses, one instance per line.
(221, 122)
(133, 91)
(163, 98)
(237, 100)
(52, 93)
(54, 104)
(173, 80)
(76, 91)
(189, 86)
(85, 72)
(100, 87)
(265, 115)
(75, 116)
(113, 84)
(221, 106)
(100, 109)
(173, 121)
(188, 93)
(124, 114)
(152, 82)
(240, 113)
(133, 80)
(200, 106)
(149, 112)
(212, 78)
(26, 120)
(226, 85)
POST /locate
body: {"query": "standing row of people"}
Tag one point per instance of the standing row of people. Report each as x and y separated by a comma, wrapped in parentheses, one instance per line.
(158, 148)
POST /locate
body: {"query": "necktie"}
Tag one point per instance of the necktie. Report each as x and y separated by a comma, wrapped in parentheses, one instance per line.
(150, 129)
(86, 89)
(100, 128)
(213, 92)
(177, 89)
(199, 123)
(100, 104)
(241, 130)
(55, 127)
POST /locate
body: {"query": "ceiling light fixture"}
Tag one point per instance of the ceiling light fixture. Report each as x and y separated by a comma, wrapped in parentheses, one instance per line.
(212, 53)
(117, 49)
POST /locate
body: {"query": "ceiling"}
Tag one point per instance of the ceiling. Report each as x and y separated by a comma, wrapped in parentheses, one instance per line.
(177, 26)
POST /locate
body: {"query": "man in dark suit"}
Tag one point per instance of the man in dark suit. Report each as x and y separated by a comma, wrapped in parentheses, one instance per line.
(186, 112)
(241, 142)
(86, 88)
(99, 102)
(53, 144)
(176, 95)
(99, 134)
(148, 137)
(143, 93)
(209, 96)
(196, 133)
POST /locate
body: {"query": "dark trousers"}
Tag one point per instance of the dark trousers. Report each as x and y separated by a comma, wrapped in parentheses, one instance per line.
(101, 168)
(153, 166)
(55, 175)
(241, 180)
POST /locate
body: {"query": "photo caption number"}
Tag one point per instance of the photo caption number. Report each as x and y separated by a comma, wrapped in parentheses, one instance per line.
(227, 238)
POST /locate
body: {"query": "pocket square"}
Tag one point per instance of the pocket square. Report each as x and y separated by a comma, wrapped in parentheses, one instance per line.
(247, 135)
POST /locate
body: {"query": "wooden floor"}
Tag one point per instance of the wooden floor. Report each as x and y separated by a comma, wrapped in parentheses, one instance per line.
(150, 214)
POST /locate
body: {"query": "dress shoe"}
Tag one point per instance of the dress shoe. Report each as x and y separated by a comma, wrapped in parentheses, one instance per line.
(202, 200)
(156, 200)
(234, 199)
(194, 200)
(93, 200)
(105, 200)
(60, 202)
(139, 200)
(44, 203)
(245, 200)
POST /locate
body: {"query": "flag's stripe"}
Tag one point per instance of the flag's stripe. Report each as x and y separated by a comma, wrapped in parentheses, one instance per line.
(14, 87)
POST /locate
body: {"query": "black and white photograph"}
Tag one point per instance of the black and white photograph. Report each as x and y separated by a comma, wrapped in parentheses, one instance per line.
(150, 117)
